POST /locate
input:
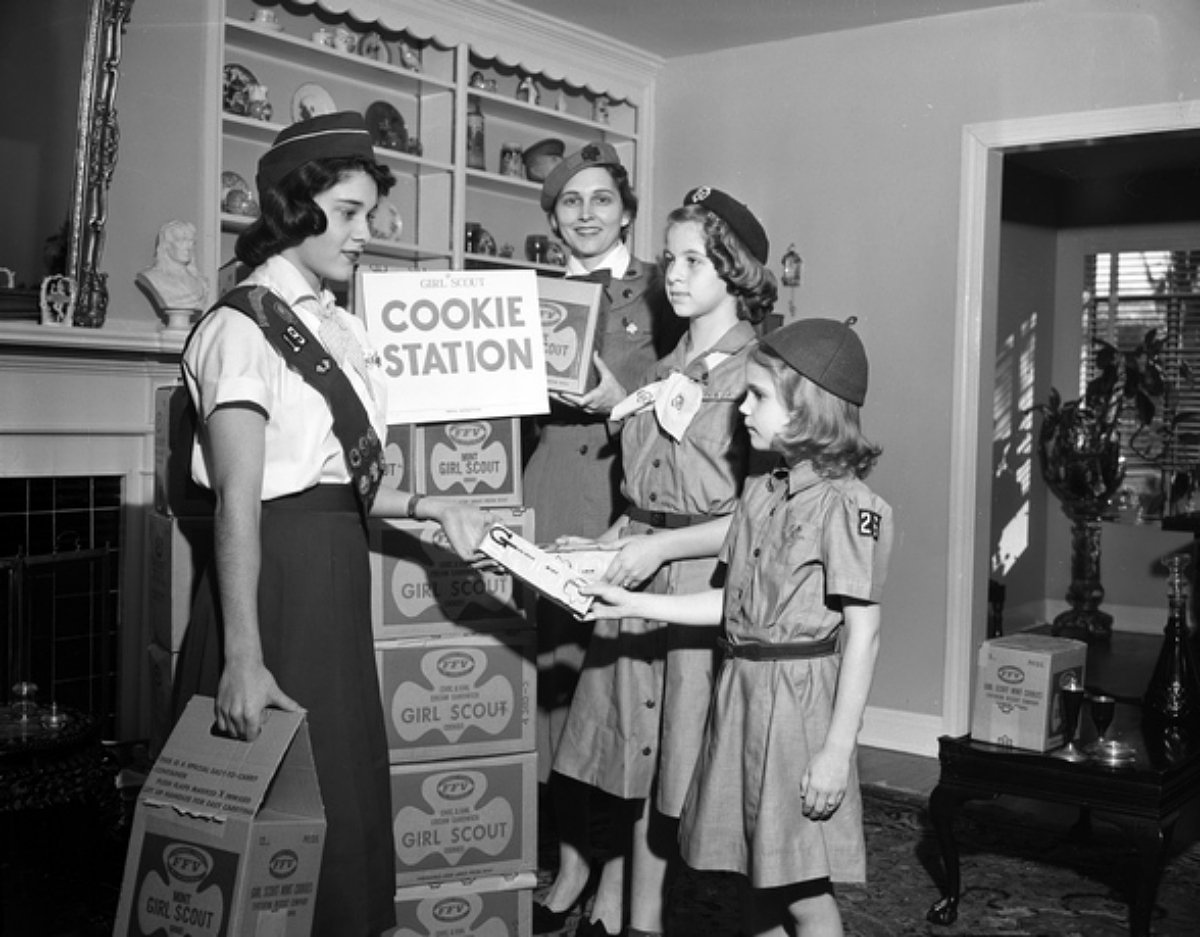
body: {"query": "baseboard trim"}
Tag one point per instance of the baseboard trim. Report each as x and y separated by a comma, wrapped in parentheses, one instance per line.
(899, 731)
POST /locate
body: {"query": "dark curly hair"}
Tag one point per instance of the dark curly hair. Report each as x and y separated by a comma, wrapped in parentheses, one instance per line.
(822, 428)
(746, 278)
(289, 213)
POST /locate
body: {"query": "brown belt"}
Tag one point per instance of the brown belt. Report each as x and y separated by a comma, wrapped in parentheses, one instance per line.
(798, 651)
(666, 519)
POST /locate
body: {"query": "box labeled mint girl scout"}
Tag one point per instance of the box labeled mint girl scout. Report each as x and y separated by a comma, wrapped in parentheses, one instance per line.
(228, 835)
(474, 461)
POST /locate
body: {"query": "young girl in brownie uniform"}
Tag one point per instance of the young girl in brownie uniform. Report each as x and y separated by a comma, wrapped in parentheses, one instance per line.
(775, 796)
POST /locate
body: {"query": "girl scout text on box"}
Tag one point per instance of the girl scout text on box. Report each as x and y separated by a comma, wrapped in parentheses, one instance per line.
(456, 345)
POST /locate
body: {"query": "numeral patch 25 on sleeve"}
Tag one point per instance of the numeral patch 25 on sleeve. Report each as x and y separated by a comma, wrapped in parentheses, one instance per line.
(868, 524)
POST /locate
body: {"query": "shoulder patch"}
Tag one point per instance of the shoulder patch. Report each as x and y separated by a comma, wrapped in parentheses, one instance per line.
(869, 523)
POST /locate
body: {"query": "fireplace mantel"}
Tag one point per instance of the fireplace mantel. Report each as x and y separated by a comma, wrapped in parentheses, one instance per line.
(116, 338)
(77, 401)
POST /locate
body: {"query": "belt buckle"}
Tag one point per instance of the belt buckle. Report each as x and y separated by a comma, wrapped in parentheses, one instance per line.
(658, 519)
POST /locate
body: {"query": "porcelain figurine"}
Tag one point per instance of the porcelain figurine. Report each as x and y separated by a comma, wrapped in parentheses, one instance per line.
(528, 92)
(57, 299)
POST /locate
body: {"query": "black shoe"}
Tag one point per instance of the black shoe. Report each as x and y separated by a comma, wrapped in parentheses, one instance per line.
(588, 928)
(546, 921)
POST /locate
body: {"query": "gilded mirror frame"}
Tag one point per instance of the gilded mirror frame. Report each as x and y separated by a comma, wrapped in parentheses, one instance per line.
(96, 144)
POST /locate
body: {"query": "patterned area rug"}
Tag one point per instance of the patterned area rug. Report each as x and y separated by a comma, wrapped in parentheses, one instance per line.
(1022, 877)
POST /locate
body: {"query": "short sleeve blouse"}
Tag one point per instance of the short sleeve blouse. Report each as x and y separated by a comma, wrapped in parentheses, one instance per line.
(798, 540)
(228, 361)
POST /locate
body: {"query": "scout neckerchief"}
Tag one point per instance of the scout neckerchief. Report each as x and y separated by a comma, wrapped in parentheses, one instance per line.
(676, 399)
(307, 357)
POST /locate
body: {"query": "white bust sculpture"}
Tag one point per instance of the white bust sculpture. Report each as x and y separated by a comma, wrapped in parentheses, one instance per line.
(174, 282)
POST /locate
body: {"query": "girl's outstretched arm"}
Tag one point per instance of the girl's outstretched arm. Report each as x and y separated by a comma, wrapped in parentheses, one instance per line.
(694, 608)
(823, 784)
(639, 558)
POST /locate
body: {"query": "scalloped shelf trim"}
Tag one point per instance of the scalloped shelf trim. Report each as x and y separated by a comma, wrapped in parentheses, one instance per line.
(489, 29)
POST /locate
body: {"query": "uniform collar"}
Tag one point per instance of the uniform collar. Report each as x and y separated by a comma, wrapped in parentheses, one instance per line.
(282, 276)
(616, 261)
(794, 480)
(733, 341)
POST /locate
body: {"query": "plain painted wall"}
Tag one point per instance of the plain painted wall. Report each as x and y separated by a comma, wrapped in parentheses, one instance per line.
(849, 144)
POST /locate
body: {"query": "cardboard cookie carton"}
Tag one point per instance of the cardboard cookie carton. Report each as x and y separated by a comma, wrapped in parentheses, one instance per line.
(473, 461)
(420, 585)
(400, 458)
(1018, 691)
(495, 906)
(464, 819)
(570, 311)
(457, 695)
(227, 835)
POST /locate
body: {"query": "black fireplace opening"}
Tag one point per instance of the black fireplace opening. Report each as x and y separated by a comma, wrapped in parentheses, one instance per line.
(60, 541)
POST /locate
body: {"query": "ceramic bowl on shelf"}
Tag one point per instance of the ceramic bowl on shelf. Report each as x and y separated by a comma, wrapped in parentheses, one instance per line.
(541, 157)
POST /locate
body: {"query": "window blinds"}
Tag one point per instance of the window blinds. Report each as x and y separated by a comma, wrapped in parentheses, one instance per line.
(1127, 295)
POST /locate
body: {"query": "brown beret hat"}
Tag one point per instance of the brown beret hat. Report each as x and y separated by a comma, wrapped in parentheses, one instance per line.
(329, 135)
(827, 352)
(594, 154)
(738, 217)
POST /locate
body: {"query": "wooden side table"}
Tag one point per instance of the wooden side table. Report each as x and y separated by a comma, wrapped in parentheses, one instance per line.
(1145, 798)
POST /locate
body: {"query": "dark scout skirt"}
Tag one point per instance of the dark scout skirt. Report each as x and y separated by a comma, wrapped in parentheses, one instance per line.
(314, 604)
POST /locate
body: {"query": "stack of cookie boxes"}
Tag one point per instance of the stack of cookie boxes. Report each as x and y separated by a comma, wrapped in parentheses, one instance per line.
(455, 656)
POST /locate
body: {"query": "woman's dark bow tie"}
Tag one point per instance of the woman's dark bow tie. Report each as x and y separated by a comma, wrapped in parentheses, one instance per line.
(603, 277)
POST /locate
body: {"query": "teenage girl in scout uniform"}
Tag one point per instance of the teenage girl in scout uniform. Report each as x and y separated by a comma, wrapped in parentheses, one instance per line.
(634, 729)
(292, 410)
(775, 795)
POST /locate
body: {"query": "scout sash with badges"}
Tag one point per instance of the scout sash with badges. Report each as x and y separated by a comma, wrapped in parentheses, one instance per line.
(306, 356)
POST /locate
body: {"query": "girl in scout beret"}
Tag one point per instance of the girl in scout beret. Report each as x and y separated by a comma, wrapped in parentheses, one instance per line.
(775, 795)
(634, 729)
(291, 408)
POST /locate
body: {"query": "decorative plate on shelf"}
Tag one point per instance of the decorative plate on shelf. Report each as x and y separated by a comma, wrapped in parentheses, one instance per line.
(386, 126)
(310, 101)
(236, 90)
(372, 46)
(386, 223)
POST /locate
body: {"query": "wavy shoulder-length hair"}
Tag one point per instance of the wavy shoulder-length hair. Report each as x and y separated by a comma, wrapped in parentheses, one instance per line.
(289, 214)
(823, 428)
(751, 283)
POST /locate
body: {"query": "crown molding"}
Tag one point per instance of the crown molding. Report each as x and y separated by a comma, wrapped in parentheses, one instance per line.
(517, 37)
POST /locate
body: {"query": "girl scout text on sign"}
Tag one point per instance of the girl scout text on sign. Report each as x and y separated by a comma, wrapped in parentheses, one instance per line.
(456, 345)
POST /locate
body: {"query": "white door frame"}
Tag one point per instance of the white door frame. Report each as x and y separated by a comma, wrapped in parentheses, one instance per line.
(983, 149)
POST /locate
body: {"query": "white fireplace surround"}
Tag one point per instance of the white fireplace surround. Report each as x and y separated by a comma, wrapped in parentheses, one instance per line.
(79, 401)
